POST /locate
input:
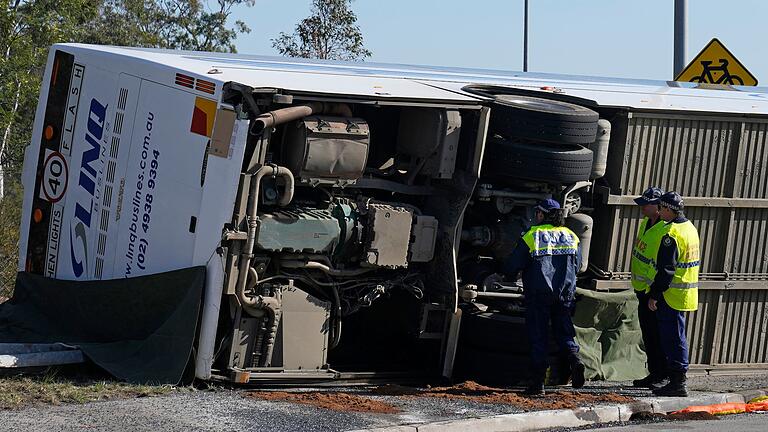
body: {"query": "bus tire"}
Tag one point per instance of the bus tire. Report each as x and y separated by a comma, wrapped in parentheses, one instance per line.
(561, 164)
(543, 120)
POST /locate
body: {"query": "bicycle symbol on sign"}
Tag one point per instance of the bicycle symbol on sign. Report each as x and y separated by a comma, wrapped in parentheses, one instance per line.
(721, 72)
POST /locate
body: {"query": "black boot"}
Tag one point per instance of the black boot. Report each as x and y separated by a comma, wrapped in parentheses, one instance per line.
(534, 388)
(536, 383)
(577, 374)
(676, 386)
(652, 381)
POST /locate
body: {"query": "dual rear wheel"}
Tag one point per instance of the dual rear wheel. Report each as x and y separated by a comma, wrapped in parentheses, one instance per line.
(539, 139)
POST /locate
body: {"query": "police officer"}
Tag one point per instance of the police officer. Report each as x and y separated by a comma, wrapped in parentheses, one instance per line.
(549, 256)
(643, 267)
(675, 289)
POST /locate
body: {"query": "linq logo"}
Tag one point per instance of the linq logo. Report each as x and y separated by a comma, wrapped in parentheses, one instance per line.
(86, 181)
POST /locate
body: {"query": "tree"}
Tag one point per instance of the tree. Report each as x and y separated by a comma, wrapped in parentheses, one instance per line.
(192, 27)
(27, 29)
(330, 32)
(175, 24)
(136, 23)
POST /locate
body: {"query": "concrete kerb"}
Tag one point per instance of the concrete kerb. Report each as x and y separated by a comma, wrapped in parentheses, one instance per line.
(538, 420)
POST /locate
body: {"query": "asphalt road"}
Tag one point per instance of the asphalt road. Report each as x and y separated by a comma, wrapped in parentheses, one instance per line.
(737, 422)
(228, 410)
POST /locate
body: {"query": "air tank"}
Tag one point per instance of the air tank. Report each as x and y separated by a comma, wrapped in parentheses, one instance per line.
(581, 224)
(600, 149)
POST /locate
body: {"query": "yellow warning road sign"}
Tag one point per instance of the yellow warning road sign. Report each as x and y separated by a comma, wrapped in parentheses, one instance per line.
(716, 65)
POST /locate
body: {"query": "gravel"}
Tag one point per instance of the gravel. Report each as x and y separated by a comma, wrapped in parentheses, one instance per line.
(229, 410)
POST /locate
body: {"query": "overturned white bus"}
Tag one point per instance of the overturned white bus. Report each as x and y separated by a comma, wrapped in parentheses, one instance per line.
(351, 216)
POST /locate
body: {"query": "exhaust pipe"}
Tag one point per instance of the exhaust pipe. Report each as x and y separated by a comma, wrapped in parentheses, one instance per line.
(286, 115)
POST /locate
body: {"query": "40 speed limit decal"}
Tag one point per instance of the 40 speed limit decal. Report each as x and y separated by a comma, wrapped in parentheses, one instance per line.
(55, 175)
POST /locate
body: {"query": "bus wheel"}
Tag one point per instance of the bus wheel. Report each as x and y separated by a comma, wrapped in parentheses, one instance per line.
(561, 164)
(543, 120)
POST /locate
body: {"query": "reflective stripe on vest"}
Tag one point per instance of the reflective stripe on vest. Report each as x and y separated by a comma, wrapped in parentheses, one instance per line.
(551, 240)
(684, 285)
(683, 293)
(643, 264)
(641, 279)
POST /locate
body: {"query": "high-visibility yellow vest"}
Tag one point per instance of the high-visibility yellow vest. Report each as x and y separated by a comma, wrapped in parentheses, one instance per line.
(551, 240)
(643, 264)
(683, 292)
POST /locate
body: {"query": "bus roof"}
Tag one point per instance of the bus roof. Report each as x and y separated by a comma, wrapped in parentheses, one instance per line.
(396, 81)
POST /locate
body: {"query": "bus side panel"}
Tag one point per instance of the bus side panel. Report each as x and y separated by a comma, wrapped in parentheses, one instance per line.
(118, 149)
(114, 180)
(65, 192)
(161, 189)
(84, 212)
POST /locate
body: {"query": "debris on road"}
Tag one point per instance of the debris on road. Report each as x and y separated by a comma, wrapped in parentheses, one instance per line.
(344, 402)
(472, 391)
(467, 391)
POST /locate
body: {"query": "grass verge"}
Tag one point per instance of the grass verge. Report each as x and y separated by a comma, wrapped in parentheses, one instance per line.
(23, 391)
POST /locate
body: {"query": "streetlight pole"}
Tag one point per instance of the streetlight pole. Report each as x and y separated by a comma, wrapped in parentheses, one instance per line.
(525, 38)
(681, 35)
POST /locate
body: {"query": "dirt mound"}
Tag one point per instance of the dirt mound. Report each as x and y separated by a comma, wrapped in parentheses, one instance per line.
(472, 391)
(333, 401)
(468, 391)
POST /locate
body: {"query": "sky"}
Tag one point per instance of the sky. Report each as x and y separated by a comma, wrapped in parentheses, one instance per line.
(613, 38)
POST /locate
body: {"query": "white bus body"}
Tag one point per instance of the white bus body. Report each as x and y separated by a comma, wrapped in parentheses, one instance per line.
(138, 159)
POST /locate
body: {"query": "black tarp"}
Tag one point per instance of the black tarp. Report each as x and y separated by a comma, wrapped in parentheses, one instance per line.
(140, 330)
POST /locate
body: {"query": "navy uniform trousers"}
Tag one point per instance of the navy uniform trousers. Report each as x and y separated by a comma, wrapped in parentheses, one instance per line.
(649, 326)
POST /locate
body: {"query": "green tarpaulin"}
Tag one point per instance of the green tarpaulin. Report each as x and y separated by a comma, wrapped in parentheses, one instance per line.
(608, 332)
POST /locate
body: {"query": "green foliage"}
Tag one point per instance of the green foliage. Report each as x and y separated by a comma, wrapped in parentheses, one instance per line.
(10, 217)
(330, 32)
(191, 27)
(29, 27)
(195, 25)
(27, 30)
(136, 23)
